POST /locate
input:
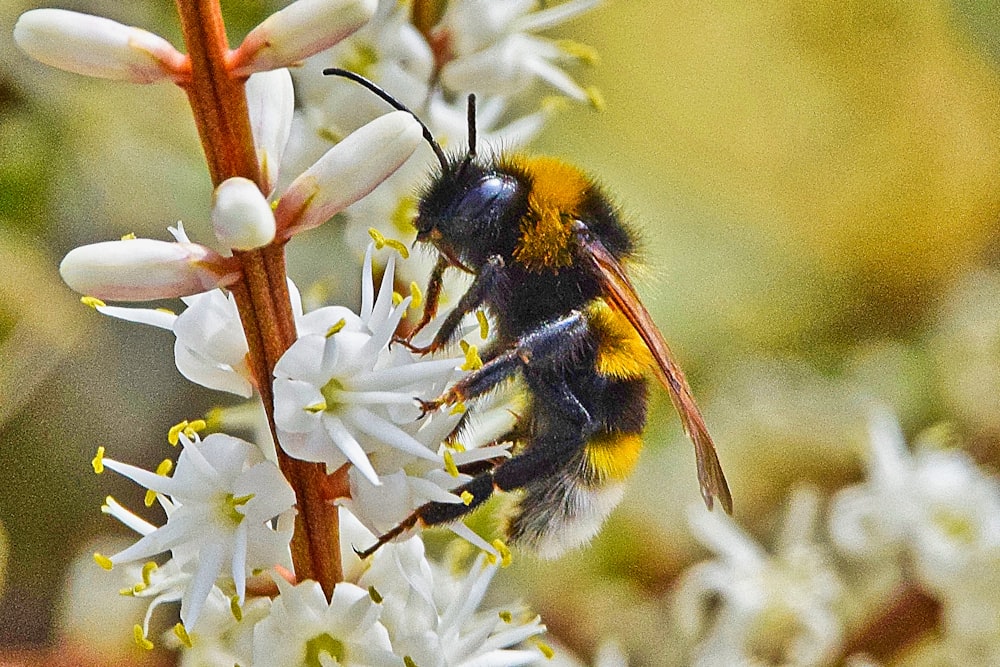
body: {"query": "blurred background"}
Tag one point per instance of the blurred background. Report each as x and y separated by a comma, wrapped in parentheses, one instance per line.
(818, 187)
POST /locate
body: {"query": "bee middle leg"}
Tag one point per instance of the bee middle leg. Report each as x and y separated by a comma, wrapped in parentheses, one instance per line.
(544, 347)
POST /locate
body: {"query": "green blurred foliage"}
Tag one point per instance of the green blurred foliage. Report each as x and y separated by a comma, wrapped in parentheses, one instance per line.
(818, 184)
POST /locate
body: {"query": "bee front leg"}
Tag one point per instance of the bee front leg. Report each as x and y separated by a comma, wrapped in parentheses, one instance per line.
(431, 299)
(491, 278)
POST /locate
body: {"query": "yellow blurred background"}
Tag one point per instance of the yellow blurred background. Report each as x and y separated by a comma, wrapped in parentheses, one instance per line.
(818, 185)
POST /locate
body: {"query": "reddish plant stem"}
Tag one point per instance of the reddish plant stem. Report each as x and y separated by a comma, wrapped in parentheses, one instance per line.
(218, 102)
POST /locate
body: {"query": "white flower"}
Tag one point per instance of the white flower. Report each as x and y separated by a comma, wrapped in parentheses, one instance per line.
(748, 601)
(936, 505)
(339, 392)
(493, 52)
(220, 503)
(304, 629)
(437, 621)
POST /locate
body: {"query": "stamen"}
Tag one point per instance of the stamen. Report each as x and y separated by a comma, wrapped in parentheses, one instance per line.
(473, 362)
(546, 650)
(409, 662)
(182, 634)
(337, 327)
(129, 237)
(316, 407)
(103, 561)
(98, 461)
(374, 595)
(140, 638)
(147, 570)
(381, 241)
(416, 296)
(506, 558)
(596, 98)
(449, 465)
(235, 609)
(506, 616)
(484, 324)
(457, 409)
(92, 301)
(467, 498)
(174, 434)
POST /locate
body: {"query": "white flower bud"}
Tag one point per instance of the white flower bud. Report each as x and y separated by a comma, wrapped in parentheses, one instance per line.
(96, 46)
(144, 269)
(271, 101)
(348, 172)
(298, 31)
(241, 216)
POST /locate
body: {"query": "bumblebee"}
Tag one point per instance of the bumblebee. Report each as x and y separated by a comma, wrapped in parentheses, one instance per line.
(547, 252)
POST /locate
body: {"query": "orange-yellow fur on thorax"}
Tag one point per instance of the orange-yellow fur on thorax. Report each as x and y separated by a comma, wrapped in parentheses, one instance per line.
(621, 353)
(557, 192)
(612, 456)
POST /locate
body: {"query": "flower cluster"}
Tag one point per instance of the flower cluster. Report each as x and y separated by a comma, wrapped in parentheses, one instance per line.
(924, 522)
(336, 394)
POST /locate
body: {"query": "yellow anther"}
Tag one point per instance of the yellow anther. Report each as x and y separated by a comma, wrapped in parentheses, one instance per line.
(381, 241)
(166, 465)
(473, 362)
(505, 555)
(316, 407)
(416, 296)
(449, 464)
(467, 498)
(214, 418)
(235, 609)
(149, 498)
(409, 662)
(165, 310)
(182, 634)
(506, 616)
(399, 247)
(374, 595)
(457, 409)
(454, 445)
(583, 52)
(397, 298)
(484, 324)
(174, 434)
(596, 98)
(140, 638)
(147, 571)
(546, 650)
(274, 204)
(92, 301)
(98, 461)
(337, 327)
(129, 237)
(126, 592)
(194, 427)
(138, 588)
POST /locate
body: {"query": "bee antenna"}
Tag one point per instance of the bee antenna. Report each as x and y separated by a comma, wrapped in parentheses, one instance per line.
(395, 104)
(472, 126)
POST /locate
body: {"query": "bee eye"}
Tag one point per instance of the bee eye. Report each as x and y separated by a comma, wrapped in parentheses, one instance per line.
(488, 194)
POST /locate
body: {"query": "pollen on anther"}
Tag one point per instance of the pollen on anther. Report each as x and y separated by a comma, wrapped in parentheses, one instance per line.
(98, 461)
(235, 609)
(149, 498)
(473, 362)
(92, 301)
(409, 662)
(128, 237)
(546, 650)
(397, 298)
(182, 634)
(147, 570)
(316, 407)
(484, 324)
(140, 638)
(467, 498)
(166, 465)
(449, 464)
(103, 561)
(374, 595)
(506, 557)
(454, 445)
(337, 327)
(174, 434)
(416, 296)
(457, 409)
(506, 616)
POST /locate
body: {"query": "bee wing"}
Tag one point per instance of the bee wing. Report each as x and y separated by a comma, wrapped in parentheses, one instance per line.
(621, 294)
